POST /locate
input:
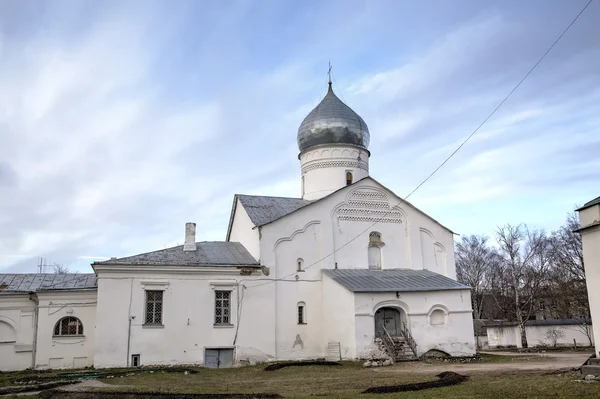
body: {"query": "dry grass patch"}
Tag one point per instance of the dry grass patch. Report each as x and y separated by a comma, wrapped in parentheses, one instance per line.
(350, 380)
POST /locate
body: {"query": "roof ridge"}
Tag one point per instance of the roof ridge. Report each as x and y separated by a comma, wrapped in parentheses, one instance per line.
(269, 196)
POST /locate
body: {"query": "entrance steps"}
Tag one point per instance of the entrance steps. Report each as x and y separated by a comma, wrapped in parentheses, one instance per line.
(396, 348)
(592, 367)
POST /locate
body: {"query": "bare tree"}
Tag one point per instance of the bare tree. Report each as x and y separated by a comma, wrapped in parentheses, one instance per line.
(60, 269)
(475, 259)
(567, 249)
(525, 262)
(568, 274)
(585, 326)
(553, 335)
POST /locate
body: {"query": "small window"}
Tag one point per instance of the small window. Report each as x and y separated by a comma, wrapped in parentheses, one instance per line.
(300, 265)
(154, 307)
(135, 360)
(301, 313)
(222, 307)
(302, 185)
(68, 326)
(348, 178)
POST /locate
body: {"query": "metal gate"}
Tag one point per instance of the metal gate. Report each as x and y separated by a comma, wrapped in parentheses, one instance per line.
(218, 358)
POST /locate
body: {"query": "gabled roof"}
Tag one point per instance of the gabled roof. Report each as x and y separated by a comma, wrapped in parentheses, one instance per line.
(30, 282)
(391, 280)
(266, 210)
(207, 253)
(263, 209)
(595, 201)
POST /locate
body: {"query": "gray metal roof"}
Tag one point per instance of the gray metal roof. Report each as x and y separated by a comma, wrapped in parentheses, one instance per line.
(331, 122)
(403, 280)
(263, 209)
(208, 253)
(46, 282)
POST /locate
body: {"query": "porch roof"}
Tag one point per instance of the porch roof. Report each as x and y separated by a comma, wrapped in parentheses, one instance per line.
(391, 280)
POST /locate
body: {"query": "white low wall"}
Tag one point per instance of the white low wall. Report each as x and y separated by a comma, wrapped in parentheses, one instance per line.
(508, 336)
(566, 335)
(504, 337)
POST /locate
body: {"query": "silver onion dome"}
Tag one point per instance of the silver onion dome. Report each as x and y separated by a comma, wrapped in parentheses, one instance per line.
(332, 122)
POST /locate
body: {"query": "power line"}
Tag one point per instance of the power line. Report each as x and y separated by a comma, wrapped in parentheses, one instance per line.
(451, 155)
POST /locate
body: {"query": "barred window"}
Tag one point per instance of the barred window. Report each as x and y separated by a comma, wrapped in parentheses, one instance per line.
(154, 307)
(301, 313)
(222, 307)
(68, 326)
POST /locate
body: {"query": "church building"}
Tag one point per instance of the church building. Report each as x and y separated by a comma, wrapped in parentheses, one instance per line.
(347, 271)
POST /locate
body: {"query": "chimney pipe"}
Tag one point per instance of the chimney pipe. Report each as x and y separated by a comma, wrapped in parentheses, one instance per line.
(190, 237)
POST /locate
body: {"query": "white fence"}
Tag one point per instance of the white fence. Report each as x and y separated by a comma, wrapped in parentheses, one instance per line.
(541, 333)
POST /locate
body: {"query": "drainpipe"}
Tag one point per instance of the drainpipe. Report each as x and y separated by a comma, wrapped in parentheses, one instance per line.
(36, 311)
(129, 338)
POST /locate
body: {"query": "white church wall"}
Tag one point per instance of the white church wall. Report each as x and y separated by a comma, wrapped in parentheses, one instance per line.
(16, 332)
(338, 317)
(314, 232)
(188, 316)
(243, 231)
(324, 169)
(65, 351)
(294, 340)
(349, 213)
(454, 336)
(591, 255)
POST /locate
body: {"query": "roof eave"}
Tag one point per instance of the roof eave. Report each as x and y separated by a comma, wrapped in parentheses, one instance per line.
(231, 216)
(588, 227)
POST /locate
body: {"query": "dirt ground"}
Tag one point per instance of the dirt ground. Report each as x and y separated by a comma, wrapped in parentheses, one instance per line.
(520, 361)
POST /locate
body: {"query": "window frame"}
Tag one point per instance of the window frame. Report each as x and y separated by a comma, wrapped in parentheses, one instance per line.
(299, 265)
(301, 314)
(59, 325)
(224, 306)
(351, 180)
(153, 322)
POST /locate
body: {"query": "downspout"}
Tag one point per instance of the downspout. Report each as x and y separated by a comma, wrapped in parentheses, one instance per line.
(129, 338)
(36, 310)
(130, 318)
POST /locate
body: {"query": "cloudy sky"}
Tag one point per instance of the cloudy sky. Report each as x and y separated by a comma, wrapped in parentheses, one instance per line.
(121, 121)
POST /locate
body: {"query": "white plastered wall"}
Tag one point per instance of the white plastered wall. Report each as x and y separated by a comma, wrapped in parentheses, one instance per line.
(454, 336)
(315, 231)
(16, 332)
(504, 337)
(567, 335)
(591, 258)
(66, 351)
(244, 232)
(188, 316)
(324, 168)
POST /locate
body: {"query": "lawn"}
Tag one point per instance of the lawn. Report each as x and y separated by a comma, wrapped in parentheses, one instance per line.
(348, 381)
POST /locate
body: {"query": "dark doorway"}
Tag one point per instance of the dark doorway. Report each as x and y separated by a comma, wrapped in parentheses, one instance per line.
(391, 319)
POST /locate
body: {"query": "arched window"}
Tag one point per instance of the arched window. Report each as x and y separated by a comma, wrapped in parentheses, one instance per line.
(302, 185)
(68, 326)
(348, 178)
(300, 265)
(301, 313)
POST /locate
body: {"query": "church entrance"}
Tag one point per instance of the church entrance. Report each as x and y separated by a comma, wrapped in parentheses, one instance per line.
(390, 320)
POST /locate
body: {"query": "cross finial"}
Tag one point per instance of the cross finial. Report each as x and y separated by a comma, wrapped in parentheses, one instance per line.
(329, 73)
